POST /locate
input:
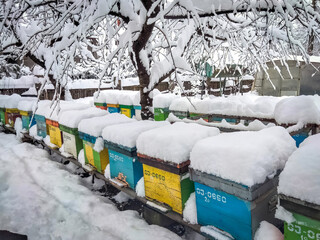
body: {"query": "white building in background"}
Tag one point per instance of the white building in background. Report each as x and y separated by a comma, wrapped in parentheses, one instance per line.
(294, 78)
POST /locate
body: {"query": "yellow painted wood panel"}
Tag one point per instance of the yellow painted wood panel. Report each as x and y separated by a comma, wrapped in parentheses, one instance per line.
(12, 110)
(24, 113)
(55, 135)
(89, 154)
(104, 159)
(163, 186)
(126, 112)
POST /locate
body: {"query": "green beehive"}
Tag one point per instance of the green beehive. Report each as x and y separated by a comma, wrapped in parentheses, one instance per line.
(161, 114)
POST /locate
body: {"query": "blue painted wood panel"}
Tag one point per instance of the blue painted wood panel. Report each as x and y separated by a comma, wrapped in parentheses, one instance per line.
(41, 126)
(223, 211)
(113, 110)
(26, 120)
(299, 138)
(218, 119)
(130, 167)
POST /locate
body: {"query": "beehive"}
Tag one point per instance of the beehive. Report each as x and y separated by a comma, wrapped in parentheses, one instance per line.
(90, 130)
(102, 106)
(121, 142)
(54, 132)
(137, 112)
(232, 207)
(161, 114)
(236, 188)
(127, 110)
(26, 118)
(113, 108)
(307, 219)
(98, 160)
(68, 124)
(166, 183)
(71, 141)
(3, 115)
(11, 115)
(124, 165)
(164, 153)
(41, 125)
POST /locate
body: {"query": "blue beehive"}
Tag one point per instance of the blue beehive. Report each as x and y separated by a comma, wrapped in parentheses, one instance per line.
(236, 188)
(300, 137)
(41, 125)
(124, 164)
(219, 119)
(121, 142)
(232, 207)
(113, 108)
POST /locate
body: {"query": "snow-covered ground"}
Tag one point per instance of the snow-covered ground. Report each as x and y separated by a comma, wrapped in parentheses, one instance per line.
(41, 199)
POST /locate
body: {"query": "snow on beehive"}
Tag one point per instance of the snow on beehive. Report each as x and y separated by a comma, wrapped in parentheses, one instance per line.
(180, 104)
(58, 108)
(111, 96)
(300, 177)
(163, 100)
(12, 101)
(173, 143)
(72, 118)
(300, 109)
(3, 99)
(244, 157)
(94, 126)
(27, 104)
(127, 134)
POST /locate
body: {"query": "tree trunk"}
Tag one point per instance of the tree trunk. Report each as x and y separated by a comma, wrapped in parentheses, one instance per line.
(144, 78)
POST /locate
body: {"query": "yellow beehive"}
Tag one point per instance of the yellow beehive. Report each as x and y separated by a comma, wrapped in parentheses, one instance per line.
(163, 186)
(88, 150)
(54, 132)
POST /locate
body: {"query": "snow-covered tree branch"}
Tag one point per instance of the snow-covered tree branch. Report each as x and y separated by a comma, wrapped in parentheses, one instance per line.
(154, 38)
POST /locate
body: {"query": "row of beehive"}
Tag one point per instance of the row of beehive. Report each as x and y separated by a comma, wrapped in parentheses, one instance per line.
(13, 107)
(116, 101)
(233, 207)
(128, 103)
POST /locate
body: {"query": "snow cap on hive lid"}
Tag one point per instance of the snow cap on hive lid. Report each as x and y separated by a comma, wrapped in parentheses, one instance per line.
(72, 118)
(173, 143)
(99, 97)
(94, 126)
(43, 107)
(163, 100)
(27, 104)
(128, 98)
(300, 177)
(12, 101)
(247, 158)
(300, 109)
(127, 134)
(180, 104)
(111, 96)
(3, 99)
(86, 100)
(57, 108)
(247, 105)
